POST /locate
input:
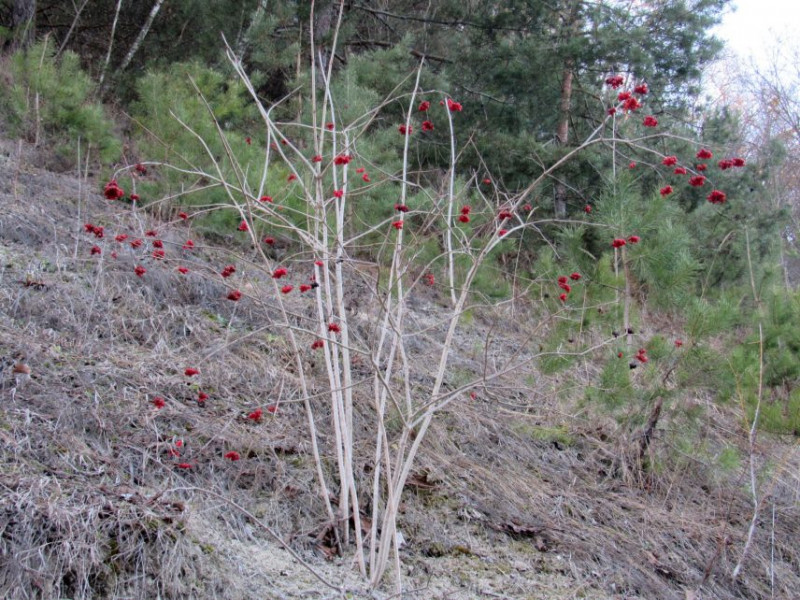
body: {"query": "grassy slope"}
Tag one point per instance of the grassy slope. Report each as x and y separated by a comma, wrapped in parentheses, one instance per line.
(513, 497)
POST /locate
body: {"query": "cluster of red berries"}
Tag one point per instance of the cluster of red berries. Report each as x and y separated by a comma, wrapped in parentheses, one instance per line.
(427, 125)
(641, 356)
(96, 230)
(563, 283)
(112, 191)
(628, 101)
(258, 413)
(620, 242)
(177, 448)
(364, 175)
(715, 196)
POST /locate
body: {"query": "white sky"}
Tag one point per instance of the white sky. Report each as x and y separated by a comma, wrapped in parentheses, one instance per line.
(754, 26)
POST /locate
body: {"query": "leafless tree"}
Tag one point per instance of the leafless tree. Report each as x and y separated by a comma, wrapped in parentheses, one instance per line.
(766, 96)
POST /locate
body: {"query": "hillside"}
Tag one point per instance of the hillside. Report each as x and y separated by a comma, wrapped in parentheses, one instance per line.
(515, 495)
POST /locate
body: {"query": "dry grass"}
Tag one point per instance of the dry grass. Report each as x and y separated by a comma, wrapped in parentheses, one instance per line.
(85, 507)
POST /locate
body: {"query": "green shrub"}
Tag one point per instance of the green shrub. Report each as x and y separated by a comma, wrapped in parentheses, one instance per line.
(186, 101)
(779, 414)
(166, 97)
(710, 317)
(662, 265)
(782, 339)
(778, 346)
(48, 101)
(615, 388)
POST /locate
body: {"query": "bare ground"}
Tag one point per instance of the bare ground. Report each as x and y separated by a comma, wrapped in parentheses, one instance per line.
(516, 494)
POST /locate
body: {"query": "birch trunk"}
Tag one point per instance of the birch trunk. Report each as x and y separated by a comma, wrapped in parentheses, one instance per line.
(142, 34)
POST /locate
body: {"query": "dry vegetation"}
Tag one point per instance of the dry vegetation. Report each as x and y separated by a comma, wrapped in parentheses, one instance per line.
(517, 494)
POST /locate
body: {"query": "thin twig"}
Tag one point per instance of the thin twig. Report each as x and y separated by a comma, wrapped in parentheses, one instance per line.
(71, 28)
(752, 451)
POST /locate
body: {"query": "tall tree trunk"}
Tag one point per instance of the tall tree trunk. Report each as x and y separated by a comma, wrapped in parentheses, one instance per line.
(110, 47)
(562, 132)
(23, 23)
(570, 27)
(142, 34)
